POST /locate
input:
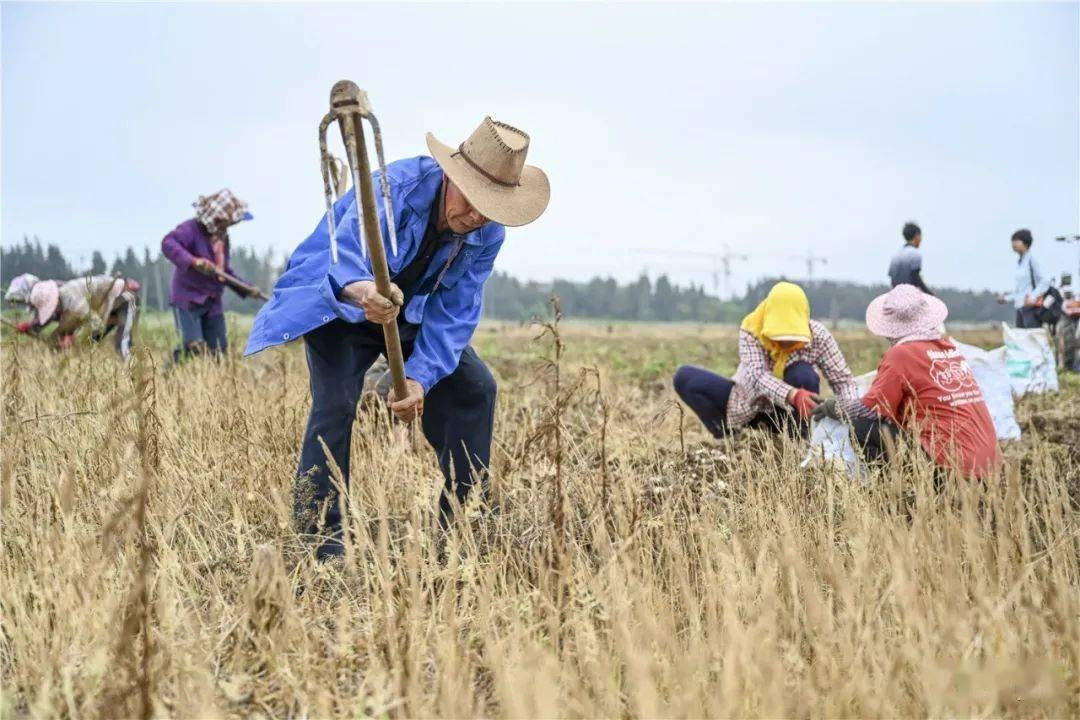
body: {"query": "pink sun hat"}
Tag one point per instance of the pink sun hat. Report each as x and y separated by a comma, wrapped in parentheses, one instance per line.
(44, 297)
(905, 310)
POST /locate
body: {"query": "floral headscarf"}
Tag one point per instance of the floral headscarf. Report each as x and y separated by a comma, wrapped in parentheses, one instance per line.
(220, 210)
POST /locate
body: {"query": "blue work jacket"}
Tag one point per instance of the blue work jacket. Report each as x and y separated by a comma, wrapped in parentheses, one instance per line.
(305, 297)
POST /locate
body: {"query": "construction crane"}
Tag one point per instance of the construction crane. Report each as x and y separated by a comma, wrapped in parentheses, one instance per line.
(721, 264)
(811, 261)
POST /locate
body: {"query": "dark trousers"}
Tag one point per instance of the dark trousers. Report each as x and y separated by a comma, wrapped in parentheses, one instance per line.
(870, 437)
(200, 331)
(1028, 318)
(707, 395)
(459, 414)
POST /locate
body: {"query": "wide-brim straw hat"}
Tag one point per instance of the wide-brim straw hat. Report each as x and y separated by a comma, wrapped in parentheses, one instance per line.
(44, 297)
(489, 168)
(905, 310)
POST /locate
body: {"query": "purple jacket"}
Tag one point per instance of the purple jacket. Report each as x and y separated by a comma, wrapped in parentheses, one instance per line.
(189, 286)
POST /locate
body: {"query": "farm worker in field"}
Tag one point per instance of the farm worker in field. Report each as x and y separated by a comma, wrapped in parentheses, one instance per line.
(923, 385)
(776, 383)
(450, 212)
(905, 268)
(199, 248)
(1029, 283)
(99, 302)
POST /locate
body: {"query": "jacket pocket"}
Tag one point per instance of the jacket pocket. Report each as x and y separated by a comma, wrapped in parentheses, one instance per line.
(458, 267)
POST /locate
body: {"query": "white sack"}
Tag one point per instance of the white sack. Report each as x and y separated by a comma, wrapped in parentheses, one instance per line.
(830, 440)
(988, 367)
(1029, 360)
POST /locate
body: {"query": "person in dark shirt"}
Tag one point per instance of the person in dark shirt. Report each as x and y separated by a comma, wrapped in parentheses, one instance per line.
(906, 265)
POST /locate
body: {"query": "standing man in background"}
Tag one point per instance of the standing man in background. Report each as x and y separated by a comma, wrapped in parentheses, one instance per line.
(1029, 283)
(906, 265)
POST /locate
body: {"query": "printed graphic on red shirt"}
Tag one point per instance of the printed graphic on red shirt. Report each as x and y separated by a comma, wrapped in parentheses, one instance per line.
(927, 384)
(950, 371)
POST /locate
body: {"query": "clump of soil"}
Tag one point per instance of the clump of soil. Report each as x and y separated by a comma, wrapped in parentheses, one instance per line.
(1055, 421)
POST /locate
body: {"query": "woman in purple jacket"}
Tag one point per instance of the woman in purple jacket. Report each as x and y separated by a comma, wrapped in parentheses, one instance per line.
(199, 248)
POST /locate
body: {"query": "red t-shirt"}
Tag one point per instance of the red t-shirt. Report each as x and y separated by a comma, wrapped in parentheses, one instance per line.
(927, 384)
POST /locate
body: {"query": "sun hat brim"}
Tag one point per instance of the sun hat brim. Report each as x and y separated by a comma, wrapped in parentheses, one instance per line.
(888, 326)
(44, 298)
(512, 206)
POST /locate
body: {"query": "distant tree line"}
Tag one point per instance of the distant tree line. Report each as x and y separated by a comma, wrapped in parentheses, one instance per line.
(847, 300)
(506, 297)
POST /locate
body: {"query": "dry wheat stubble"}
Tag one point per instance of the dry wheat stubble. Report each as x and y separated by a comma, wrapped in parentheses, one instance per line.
(689, 580)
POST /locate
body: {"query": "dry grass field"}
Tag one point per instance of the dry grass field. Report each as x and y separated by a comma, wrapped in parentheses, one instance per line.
(625, 565)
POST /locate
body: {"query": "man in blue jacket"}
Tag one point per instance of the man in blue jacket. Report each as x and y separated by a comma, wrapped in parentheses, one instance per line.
(449, 212)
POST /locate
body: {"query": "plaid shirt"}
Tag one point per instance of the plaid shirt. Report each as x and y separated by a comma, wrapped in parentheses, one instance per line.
(757, 389)
(220, 210)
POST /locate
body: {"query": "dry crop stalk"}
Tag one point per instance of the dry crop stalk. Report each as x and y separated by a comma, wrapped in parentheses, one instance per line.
(558, 511)
(135, 624)
(557, 560)
(605, 475)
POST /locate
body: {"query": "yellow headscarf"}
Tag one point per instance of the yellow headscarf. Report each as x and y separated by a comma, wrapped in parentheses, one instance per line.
(783, 314)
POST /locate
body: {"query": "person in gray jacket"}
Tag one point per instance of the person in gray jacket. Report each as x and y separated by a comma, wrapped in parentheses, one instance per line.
(906, 265)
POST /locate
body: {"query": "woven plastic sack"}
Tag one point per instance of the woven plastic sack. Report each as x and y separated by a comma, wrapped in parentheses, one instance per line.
(830, 440)
(1029, 360)
(988, 367)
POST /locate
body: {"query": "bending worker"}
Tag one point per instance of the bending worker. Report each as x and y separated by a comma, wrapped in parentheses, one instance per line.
(923, 385)
(776, 384)
(450, 213)
(199, 248)
(99, 302)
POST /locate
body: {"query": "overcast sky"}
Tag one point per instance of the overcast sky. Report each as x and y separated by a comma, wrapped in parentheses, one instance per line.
(776, 130)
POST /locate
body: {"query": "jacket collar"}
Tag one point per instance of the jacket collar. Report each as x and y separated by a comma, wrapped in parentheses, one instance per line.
(425, 192)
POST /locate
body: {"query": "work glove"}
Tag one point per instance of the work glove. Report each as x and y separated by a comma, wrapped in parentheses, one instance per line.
(804, 402)
(827, 409)
(24, 327)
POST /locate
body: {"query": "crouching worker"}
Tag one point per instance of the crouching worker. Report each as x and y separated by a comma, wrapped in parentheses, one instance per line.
(199, 248)
(449, 212)
(98, 302)
(923, 386)
(776, 384)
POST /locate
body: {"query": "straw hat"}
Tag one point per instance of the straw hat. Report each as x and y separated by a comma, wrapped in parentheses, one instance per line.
(44, 297)
(905, 310)
(489, 168)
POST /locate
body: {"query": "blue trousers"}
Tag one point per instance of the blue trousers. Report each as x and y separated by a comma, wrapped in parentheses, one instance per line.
(200, 331)
(459, 414)
(707, 395)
